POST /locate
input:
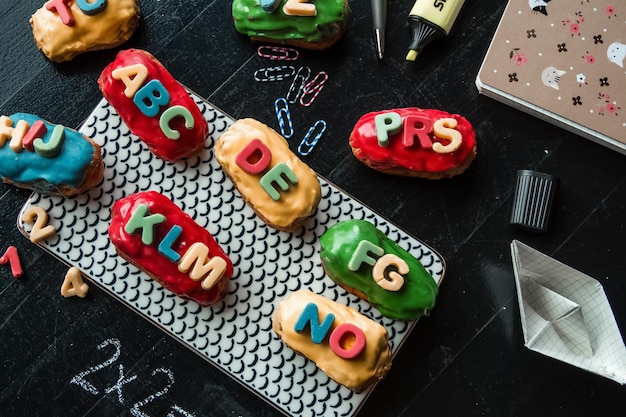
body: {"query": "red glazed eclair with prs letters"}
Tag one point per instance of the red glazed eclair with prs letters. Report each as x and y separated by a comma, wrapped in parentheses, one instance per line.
(426, 143)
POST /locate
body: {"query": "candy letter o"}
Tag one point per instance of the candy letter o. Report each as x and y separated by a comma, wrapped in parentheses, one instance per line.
(338, 335)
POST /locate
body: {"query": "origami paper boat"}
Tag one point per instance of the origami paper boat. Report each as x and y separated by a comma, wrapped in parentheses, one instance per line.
(566, 315)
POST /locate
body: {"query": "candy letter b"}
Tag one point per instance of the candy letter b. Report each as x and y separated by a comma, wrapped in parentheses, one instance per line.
(387, 124)
(151, 97)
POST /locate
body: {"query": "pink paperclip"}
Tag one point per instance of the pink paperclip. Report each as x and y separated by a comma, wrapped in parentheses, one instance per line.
(274, 73)
(298, 83)
(277, 53)
(313, 88)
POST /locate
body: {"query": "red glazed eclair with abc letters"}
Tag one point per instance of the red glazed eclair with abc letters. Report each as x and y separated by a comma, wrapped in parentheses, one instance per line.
(155, 235)
(153, 105)
(425, 143)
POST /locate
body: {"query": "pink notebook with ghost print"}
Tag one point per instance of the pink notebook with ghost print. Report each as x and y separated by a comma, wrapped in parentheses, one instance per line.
(565, 62)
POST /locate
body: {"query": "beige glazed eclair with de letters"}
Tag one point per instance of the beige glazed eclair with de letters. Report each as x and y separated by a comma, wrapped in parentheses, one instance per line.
(281, 189)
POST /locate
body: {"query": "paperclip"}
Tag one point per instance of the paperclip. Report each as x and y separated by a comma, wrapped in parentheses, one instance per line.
(298, 83)
(274, 73)
(307, 138)
(313, 88)
(284, 117)
(277, 53)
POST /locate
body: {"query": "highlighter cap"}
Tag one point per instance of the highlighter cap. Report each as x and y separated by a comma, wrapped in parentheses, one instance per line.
(424, 32)
(535, 193)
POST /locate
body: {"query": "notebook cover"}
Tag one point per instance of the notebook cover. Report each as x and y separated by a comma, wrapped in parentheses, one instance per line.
(562, 61)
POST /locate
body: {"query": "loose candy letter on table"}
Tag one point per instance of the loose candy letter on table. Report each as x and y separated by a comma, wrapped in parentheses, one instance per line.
(73, 284)
(41, 229)
(10, 256)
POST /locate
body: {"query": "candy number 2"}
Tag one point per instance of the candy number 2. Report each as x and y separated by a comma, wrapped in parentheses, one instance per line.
(41, 229)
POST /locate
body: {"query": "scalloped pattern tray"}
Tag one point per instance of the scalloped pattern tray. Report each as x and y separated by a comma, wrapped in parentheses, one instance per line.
(236, 334)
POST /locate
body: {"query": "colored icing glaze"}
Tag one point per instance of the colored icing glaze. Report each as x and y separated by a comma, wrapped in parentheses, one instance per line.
(252, 20)
(147, 256)
(414, 298)
(160, 111)
(412, 154)
(45, 174)
(373, 360)
(107, 27)
(296, 201)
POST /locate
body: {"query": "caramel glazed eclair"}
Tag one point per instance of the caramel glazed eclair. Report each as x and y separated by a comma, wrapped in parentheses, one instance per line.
(281, 189)
(350, 348)
(64, 29)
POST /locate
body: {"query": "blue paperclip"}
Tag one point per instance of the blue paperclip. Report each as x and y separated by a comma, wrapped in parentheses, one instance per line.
(299, 81)
(274, 73)
(284, 117)
(307, 138)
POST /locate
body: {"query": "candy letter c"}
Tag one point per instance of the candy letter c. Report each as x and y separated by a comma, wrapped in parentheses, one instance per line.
(169, 114)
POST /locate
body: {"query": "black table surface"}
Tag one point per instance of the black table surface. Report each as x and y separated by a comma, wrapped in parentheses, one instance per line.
(466, 358)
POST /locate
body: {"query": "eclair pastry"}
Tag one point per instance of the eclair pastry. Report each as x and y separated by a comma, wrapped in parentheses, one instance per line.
(65, 28)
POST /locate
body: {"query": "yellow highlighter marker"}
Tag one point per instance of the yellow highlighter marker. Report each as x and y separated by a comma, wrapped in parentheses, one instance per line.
(429, 20)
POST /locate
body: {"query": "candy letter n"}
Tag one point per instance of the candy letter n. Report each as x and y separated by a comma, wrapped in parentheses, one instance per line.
(310, 316)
